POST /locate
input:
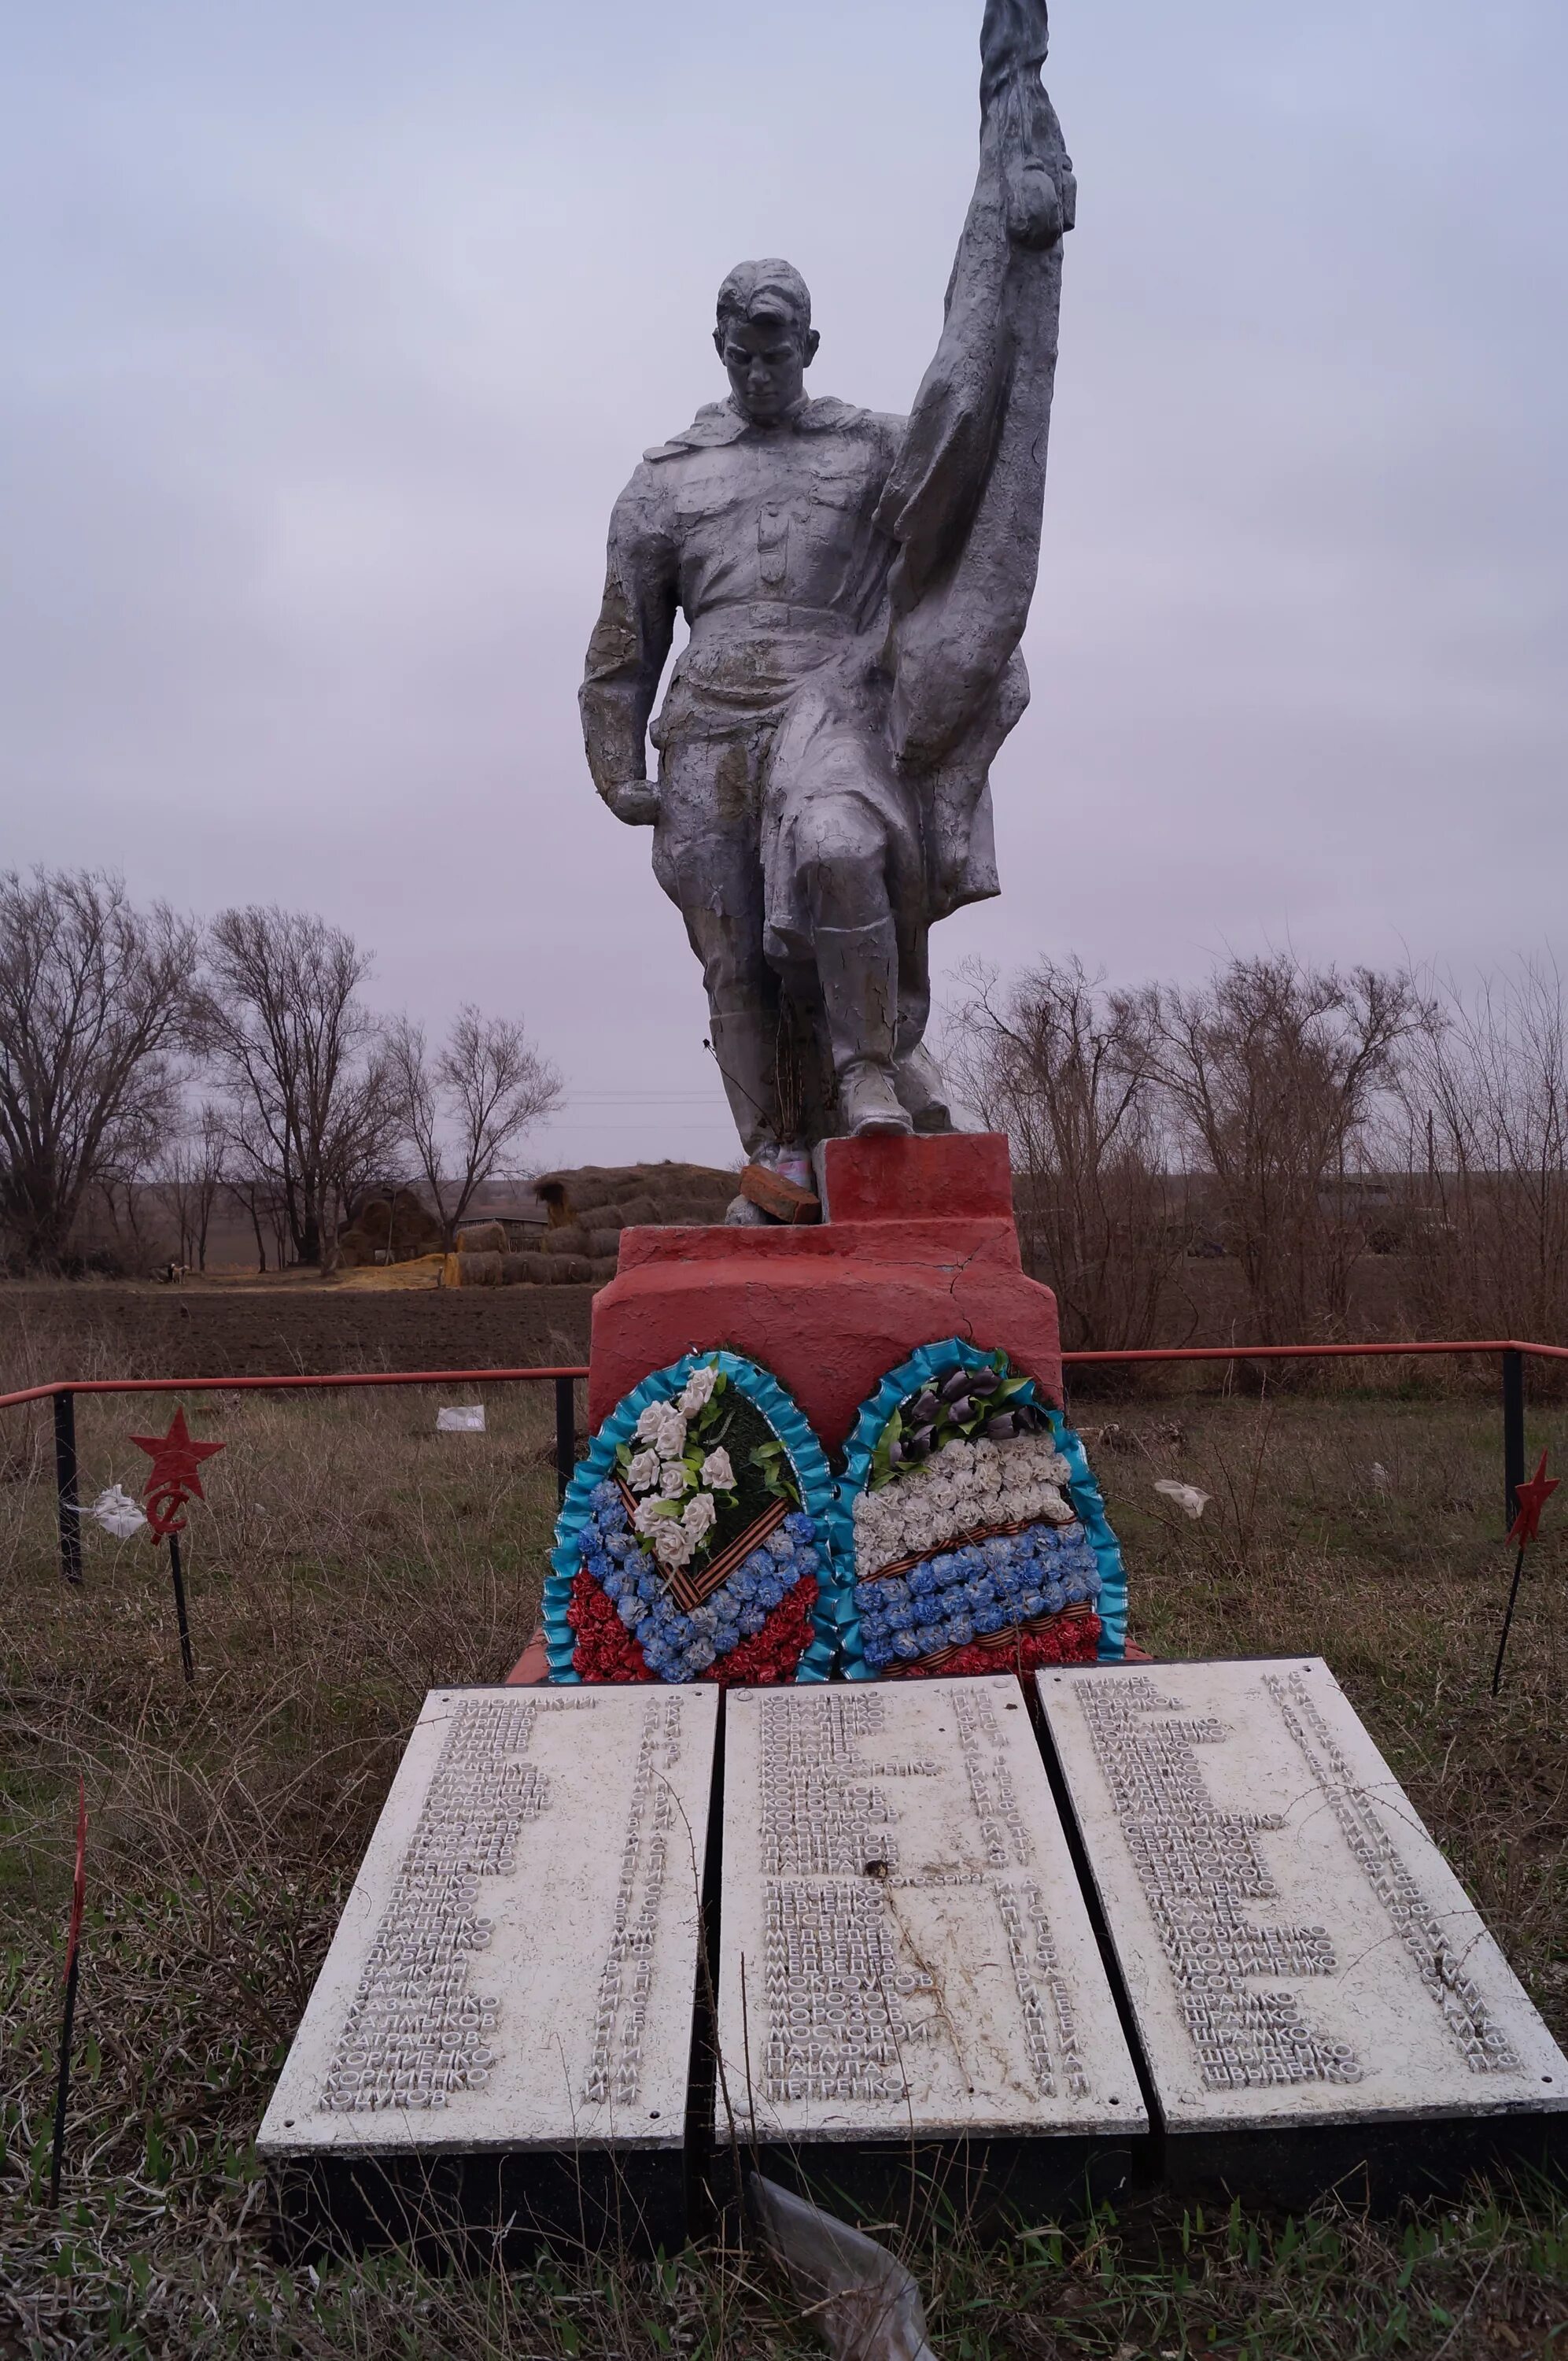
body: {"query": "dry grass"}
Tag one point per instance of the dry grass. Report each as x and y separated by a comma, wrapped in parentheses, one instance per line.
(351, 1558)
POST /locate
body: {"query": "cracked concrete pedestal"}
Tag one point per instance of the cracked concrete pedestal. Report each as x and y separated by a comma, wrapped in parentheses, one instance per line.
(917, 1243)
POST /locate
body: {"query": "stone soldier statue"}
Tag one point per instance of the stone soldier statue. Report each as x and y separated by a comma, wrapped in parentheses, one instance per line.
(856, 588)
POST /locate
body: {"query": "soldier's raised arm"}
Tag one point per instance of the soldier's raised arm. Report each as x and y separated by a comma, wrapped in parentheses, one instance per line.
(965, 495)
(628, 649)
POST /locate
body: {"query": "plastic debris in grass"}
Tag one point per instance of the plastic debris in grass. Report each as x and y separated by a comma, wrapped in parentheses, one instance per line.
(116, 1513)
(468, 1418)
(1186, 1495)
(860, 2299)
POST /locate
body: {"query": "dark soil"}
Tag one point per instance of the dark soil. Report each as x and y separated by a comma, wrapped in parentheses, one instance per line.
(66, 1330)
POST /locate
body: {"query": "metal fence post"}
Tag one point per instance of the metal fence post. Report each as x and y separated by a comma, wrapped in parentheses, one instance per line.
(1513, 1430)
(565, 1433)
(65, 1484)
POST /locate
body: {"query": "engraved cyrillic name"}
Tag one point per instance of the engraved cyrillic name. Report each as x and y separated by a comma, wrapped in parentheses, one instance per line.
(1044, 2000)
(416, 2035)
(1197, 1866)
(822, 1814)
(626, 1978)
(835, 1990)
(990, 1781)
(1483, 2045)
(834, 1985)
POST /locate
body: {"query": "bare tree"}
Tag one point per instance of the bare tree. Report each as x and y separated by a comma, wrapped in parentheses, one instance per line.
(191, 1171)
(301, 1058)
(1485, 1153)
(1275, 1072)
(1062, 1067)
(461, 1110)
(93, 999)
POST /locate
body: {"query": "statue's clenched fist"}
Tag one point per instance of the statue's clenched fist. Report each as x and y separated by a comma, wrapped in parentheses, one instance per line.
(635, 801)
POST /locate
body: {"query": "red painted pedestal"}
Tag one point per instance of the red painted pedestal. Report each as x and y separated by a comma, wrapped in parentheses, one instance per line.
(918, 1245)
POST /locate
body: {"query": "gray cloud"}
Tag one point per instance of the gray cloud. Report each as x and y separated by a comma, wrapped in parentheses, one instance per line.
(331, 334)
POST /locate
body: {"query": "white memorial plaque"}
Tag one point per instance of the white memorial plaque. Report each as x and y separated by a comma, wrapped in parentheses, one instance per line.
(905, 1952)
(516, 1966)
(1295, 1948)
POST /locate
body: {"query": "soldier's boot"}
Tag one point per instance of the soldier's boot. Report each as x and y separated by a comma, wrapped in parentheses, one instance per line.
(918, 1080)
(745, 1042)
(858, 970)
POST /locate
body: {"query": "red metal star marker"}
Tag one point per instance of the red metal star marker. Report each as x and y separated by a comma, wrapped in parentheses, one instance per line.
(174, 1480)
(1531, 1499)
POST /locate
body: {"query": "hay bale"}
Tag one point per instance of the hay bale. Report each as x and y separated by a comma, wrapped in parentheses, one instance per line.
(695, 1193)
(603, 1268)
(604, 1243)
(570, 1240)
(528, 1269)
(570, 1270)
(475, 1269)
(485, 1237)
(637, 1212)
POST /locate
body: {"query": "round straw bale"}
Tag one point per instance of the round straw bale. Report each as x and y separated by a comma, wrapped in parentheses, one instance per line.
(533, 1270)
(602, 1270)
(570, 1239)
(570, 1270)
(484, 1237)
(478, 1270)
(636, 1213)
(604, 1244)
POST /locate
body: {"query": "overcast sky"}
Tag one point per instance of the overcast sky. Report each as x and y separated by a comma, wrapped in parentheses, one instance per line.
(333, 327)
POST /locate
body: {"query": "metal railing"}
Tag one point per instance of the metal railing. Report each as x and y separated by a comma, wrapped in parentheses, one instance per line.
(1512, 1353)
(63, 1393)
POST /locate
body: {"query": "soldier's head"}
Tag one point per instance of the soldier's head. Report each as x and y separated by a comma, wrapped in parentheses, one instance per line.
(765, 337)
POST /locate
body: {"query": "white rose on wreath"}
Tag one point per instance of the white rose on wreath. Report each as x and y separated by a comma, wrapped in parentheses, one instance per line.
(651, 1420)
(672, 1544)
(671, 1439)
(697, 1391)
(717, 1473)
(674, 1480)
(650, 1515)
(643, 1472)
(699, 1516)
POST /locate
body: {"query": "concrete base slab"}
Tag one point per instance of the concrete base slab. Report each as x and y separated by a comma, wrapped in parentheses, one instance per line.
(510, 1995)
(986, 2188)
(1316, 1999)
(906, 1965)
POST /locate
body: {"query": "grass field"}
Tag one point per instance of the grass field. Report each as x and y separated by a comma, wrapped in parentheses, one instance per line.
(350, 1558)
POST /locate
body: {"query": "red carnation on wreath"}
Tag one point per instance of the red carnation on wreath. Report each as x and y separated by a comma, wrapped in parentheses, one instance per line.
(606, 1650)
